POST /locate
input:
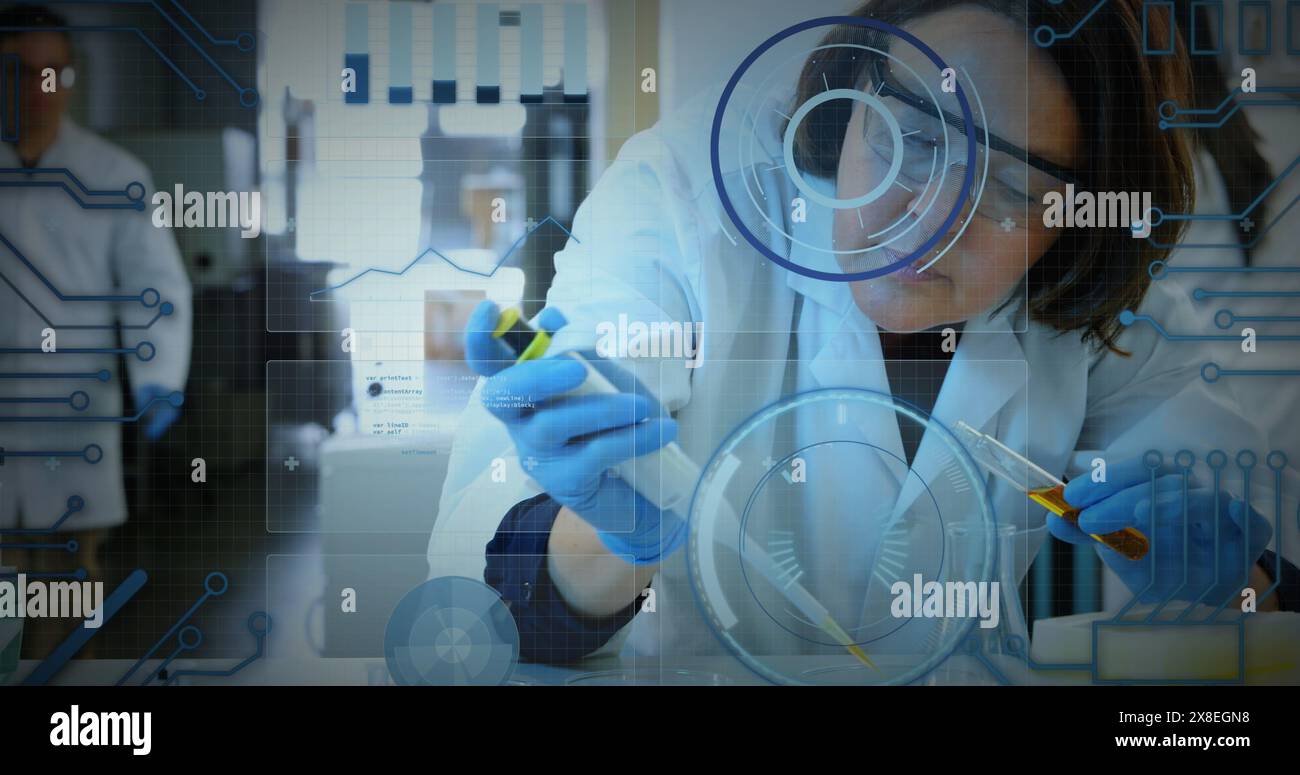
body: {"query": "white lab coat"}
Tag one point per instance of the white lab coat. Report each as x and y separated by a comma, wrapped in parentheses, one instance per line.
(652, 242)
(1273, 399)
(83, 252)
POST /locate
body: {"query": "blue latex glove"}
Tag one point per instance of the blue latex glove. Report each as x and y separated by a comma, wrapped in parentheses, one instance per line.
(158, 418)
(568, 444)
(1124, 500)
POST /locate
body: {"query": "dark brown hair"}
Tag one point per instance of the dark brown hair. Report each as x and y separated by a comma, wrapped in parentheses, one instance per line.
(1088, 276)
(34, 18)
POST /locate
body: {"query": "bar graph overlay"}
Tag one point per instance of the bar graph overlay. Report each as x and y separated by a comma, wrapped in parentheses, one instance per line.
(444, 53)
(488, 55)
(356, 54)
(484, 53)
(575, 53)
(530, 53)
(400, 89)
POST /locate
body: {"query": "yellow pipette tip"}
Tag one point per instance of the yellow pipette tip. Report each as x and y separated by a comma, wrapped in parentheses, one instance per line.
(856, 651)
(837, 632)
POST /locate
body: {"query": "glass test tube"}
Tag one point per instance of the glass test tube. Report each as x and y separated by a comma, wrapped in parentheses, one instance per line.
(1042, 488)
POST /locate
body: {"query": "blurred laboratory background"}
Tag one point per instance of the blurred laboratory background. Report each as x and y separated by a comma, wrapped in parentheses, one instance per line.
(325, 380)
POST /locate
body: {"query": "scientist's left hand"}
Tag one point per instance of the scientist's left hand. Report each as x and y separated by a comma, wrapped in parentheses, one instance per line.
(1186, 567)
(159, 417)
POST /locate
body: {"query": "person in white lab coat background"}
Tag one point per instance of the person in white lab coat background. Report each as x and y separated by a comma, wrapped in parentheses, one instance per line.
(1251, 146)
(79, 252)
(1241, 151)
(650, 243)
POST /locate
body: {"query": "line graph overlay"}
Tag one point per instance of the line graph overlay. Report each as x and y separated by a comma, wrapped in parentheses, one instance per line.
(505, 257)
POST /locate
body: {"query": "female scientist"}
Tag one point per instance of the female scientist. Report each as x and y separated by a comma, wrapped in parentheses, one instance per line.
(572, 549)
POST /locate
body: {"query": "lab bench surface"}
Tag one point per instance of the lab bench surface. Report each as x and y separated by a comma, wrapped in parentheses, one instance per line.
(713, 670)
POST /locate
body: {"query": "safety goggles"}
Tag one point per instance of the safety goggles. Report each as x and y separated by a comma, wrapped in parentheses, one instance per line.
(889, 87)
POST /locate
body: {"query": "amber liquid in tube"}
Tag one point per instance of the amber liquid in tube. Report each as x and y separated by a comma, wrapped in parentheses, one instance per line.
(1128, 542)
(1042, 488)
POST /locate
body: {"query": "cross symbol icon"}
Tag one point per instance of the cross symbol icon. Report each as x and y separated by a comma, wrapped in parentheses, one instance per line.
(530, 224)
(53, 463)
(1247, 224)
(1008, 225)
(291, 463)
(768, 462)
(530, 463)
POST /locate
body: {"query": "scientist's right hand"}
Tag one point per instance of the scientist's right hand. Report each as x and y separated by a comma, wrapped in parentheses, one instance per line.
(569, 444)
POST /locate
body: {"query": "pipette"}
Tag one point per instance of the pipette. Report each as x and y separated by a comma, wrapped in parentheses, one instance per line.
(801, 598)
(667, 477)
(1042, 488)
